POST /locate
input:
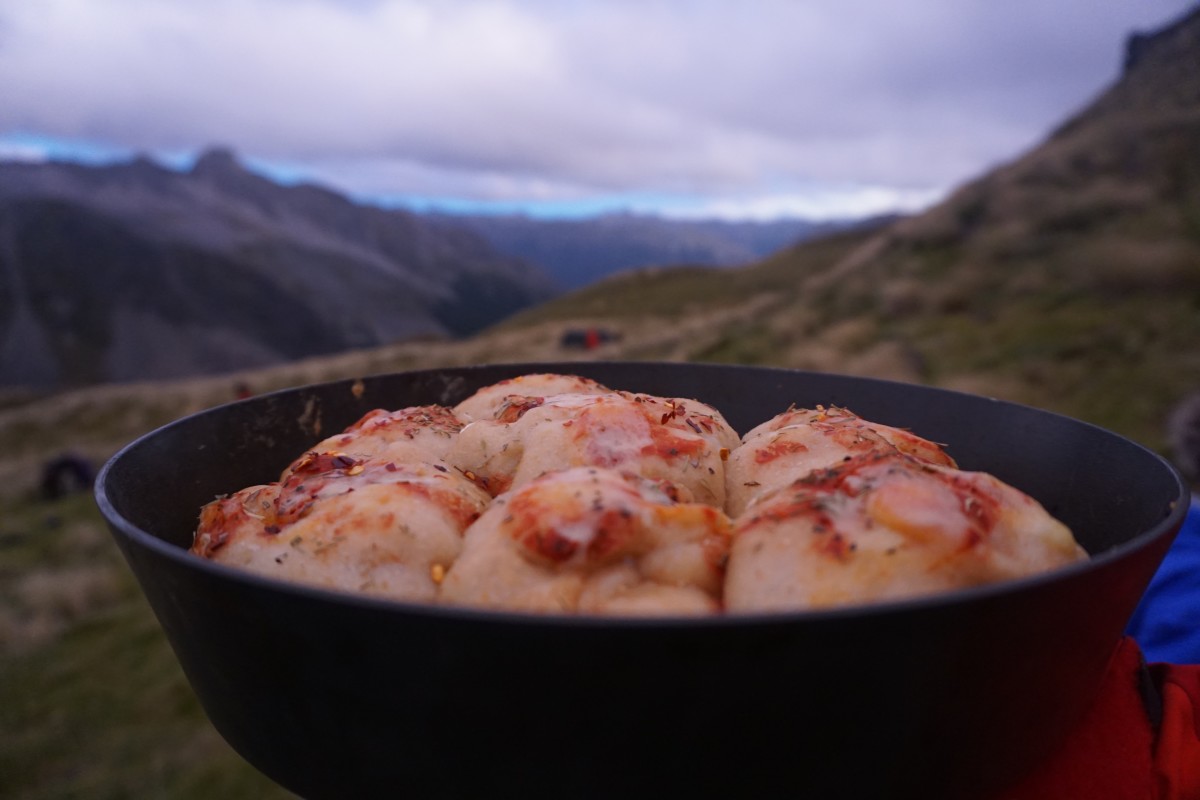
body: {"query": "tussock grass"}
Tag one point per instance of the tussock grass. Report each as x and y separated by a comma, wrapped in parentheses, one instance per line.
(92, 701)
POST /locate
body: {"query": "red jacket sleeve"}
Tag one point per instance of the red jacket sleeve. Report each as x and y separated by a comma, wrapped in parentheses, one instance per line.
(1139, 741)
(1110, 754)
(1177, 746)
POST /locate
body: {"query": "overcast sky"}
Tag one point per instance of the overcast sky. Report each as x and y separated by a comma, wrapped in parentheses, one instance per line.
(739, 109)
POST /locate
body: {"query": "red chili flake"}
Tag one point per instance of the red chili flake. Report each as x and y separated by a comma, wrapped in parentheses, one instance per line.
(318, 463)
(272, 529)
(515, 407)
(439, 468)
(676, 410)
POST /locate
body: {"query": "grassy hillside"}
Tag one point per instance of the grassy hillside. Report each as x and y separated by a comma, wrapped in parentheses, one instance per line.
(92, 702)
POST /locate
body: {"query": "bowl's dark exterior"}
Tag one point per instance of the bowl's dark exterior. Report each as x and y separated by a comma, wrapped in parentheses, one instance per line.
(952, 696)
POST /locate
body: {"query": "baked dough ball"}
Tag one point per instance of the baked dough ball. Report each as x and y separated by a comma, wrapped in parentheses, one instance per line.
(592, 541)
(884, 526)
(236, 521)
(680, 441)
(414, 434)
(553, 493)
(796, 442)
(372, 526)
(488, 402)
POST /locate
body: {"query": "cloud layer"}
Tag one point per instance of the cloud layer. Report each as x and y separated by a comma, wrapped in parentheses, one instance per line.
(544, 101)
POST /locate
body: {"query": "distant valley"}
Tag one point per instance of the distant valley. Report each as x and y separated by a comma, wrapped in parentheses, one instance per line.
(578, 252)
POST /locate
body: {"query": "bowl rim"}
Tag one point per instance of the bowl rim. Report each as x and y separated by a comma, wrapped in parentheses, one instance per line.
(121, 526)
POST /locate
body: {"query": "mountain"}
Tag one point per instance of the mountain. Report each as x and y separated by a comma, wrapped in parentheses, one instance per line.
(135, 271)
(1068, 278)
(577, 252)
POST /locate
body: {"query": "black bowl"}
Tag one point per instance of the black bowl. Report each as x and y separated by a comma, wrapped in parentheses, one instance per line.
(335, 695)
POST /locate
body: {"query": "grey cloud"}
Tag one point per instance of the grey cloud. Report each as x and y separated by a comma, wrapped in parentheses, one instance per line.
(493, 97)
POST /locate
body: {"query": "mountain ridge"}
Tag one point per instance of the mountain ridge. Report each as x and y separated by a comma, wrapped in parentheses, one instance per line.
(358, 275)
(352, 276)
(578, 252)
(1066, 278)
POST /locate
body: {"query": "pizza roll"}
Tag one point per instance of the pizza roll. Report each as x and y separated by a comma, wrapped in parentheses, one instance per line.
(372, 526)
(414, 434)
(794, 443)
(680, 441)
(550, 492)
(488, 401)
(592, 541)
(886, 525)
